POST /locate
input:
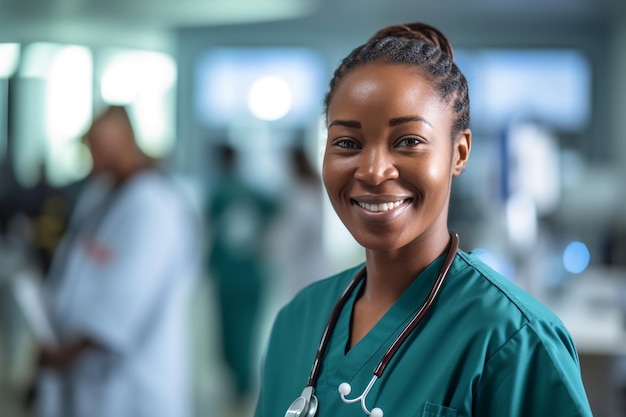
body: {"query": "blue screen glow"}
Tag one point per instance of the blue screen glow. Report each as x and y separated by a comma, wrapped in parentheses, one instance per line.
(576, 257)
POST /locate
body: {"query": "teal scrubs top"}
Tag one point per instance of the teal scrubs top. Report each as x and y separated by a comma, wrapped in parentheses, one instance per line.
(486, 348)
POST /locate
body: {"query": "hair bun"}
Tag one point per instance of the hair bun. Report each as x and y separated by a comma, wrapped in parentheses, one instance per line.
(419, 31)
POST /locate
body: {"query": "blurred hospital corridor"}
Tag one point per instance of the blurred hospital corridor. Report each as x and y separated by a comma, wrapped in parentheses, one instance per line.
(161, 195)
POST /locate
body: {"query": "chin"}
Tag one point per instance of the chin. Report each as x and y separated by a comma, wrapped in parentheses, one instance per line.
(380, 243)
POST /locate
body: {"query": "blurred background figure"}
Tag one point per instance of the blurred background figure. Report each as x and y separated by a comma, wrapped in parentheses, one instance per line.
(297, 237)
(119, 289)
(238, 216)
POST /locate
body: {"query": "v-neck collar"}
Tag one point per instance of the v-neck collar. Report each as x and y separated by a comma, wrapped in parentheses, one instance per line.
(343, 366)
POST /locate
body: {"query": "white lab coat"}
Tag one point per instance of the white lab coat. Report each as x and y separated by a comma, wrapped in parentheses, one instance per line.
(297, 239)
(123, 277)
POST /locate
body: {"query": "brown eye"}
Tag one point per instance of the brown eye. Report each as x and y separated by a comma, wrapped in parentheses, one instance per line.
(410, 142)
(346, 143)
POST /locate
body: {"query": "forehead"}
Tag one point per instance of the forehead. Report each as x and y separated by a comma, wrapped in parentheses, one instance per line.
(386, 89)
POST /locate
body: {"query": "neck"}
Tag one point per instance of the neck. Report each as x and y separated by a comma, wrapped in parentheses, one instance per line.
(389, 274)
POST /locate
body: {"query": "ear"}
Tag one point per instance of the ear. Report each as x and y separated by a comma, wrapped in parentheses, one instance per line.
(461, 151)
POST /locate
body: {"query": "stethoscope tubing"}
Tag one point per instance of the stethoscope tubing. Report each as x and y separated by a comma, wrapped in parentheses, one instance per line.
(397, 343)
(330, 326)
(417, 318)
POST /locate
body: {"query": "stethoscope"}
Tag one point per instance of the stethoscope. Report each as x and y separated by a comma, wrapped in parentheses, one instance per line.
(306, 404)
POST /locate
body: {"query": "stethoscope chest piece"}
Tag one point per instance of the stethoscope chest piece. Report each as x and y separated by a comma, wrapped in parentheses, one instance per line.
(303, 406)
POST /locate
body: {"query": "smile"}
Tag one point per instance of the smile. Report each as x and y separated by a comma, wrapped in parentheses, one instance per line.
(376, 208)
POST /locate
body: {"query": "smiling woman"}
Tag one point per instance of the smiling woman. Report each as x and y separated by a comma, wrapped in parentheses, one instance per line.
(422, 328)
(389, 145)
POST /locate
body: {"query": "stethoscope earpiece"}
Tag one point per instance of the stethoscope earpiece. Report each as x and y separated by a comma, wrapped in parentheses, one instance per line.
(345, 389)
(377, 412)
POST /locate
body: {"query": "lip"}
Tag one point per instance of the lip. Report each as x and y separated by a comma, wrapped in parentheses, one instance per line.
(389, 207)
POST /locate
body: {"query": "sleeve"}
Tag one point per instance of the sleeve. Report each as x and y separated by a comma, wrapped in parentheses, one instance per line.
(268, 368)
(281, 384)
(126, 294)
(536, 373)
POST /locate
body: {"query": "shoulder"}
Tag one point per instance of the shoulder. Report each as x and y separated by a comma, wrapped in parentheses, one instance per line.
(317, 300)
(303, 319)
(501, 295)
(494, 309)
(152, 200)
(295, 337)
(518, 334)
(150, 183)
(153, 191)
(502, 312)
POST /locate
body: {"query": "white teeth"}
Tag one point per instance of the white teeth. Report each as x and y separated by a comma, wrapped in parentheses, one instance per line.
(381, 207)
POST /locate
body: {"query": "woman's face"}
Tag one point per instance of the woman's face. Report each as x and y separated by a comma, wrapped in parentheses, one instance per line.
(389, 158)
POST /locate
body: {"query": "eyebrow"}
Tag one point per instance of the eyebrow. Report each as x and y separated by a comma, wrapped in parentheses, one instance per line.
(392, 122)
(346, 123)
(406, 119)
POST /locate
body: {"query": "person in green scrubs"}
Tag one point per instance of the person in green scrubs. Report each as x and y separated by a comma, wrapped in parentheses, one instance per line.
(397, 114)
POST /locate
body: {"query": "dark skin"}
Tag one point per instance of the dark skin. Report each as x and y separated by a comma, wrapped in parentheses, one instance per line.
(113, 148)
(61, 358)
(388, 170)
(114, 151)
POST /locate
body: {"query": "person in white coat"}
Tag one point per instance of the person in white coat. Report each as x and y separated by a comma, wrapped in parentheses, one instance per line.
(119, 289)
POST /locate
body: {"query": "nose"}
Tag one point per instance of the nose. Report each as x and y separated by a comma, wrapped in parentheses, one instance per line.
(376, 166)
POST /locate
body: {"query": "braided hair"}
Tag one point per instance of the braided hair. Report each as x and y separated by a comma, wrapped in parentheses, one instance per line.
(415, 44)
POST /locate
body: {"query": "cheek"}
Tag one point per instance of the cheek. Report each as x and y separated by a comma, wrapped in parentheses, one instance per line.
(324, 168)
(438, 172)
(434, 172)
(329, 176)
(332, 172)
